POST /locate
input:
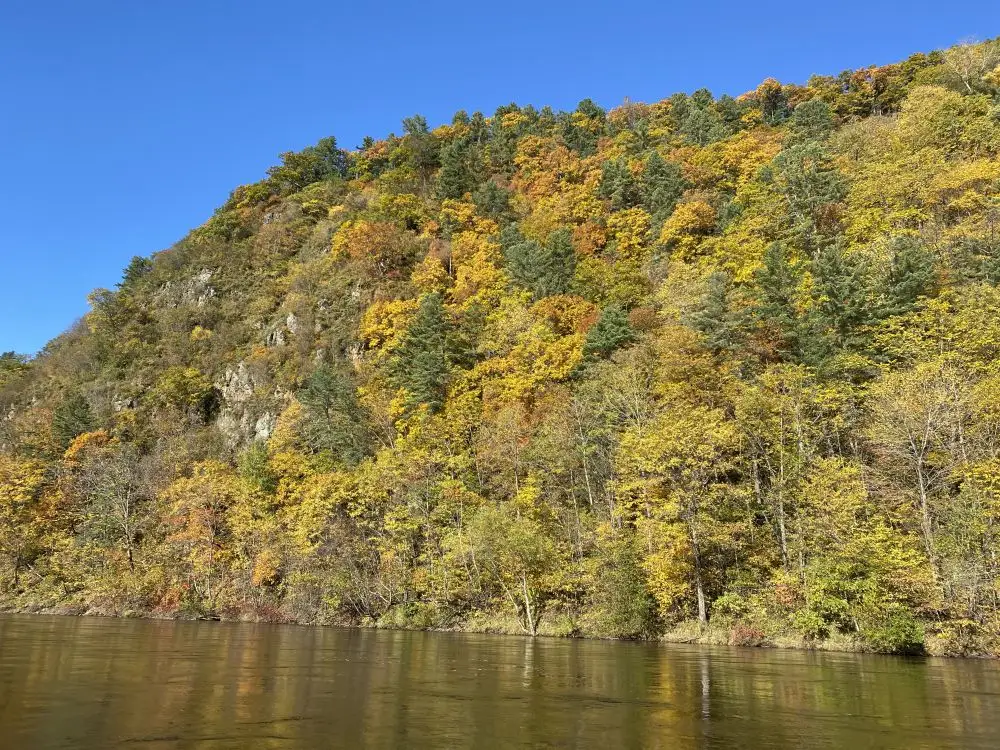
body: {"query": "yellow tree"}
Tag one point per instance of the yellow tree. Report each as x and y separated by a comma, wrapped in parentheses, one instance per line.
(22, 513)
(784, 417)
(196, 510)
(513, 546)
(859, 572)
(687, 228)
(674, 474)
(918, 419)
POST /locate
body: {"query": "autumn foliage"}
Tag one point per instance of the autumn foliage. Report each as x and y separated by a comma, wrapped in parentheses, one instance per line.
(706, 365)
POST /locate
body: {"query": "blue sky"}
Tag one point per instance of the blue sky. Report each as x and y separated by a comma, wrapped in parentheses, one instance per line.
(124, 124)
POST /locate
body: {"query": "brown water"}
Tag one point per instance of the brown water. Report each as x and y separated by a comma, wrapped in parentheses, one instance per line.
(94, 683)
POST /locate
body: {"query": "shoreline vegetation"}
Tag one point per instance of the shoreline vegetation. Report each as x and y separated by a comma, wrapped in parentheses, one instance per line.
(709, 368)
(688, 632)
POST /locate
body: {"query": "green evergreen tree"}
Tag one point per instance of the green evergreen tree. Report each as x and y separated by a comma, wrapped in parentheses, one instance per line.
(582, 129)
(623, 605)
(810, 183)
(71, 417)
(452, 178)
(334, 420)
(420, 147)
(137, 268)
(332, 159)
(324, 161)
(811, 121)
(502, 142)
(731, 112)
(255, 469)
(421, 364)
(714, 316)
(524, 260)
(773, 104)
(461, 168)
(12, 366)
(702, 126)
(492, 201)
(546, 269)
(842, 306)
(560, 263)
(911, 276)
(478, 129)
(679, 109)
(662, 186)
(619, 185)
(611, 331)
(776, 284)
(972, 258)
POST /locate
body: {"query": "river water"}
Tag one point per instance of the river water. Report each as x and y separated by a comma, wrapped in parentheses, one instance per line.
(96, 683)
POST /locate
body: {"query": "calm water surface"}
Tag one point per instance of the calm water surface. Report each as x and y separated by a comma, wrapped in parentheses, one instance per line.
(94, 683)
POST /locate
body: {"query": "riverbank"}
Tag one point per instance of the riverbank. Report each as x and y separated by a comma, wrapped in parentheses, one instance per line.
(559, 625)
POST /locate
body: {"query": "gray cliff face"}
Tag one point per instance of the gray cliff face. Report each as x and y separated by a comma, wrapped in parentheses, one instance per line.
(235, 421)
(195, 291)
(279, 335)
(249, 406)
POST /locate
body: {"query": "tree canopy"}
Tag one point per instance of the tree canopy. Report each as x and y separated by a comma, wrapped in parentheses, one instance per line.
(705, 367)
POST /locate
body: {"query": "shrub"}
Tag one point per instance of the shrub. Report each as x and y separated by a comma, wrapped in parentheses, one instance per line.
(894, 632)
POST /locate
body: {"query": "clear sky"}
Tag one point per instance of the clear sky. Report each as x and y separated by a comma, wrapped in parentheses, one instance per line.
(124, 124)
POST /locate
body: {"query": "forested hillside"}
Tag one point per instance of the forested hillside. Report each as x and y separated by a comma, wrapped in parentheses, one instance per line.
(719, 368)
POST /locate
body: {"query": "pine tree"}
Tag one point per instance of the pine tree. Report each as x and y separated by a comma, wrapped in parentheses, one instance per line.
(811, 183)
(842, 307)
(492, 201)
(911, 275)
(420, 365)
(702, 126)
(611, 331)
(137, 268)
(619, 185)
(714, 317)
(524, 261)
(12, 366)
(334, 421)
(420, 146)
(502, 142)
(255, 469)
(811, 120)
(70, 418)
(543, 269)
(582, 128)
(461, 167)
(560, 264)
(662, 186)
(452, 177)
(731, 111)
(777, 282)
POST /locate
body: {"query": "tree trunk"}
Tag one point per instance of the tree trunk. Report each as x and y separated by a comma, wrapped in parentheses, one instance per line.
(925, 518)
(700, 589)
(781, 510)
(529, 615)
(699, 585)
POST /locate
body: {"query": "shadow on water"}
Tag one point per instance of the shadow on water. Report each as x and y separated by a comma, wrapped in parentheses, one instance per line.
(94, 683)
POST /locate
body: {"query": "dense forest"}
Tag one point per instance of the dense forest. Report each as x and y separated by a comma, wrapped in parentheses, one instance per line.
(717, 369)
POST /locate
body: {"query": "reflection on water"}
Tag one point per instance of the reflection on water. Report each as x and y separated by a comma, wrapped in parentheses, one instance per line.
(92, 683)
